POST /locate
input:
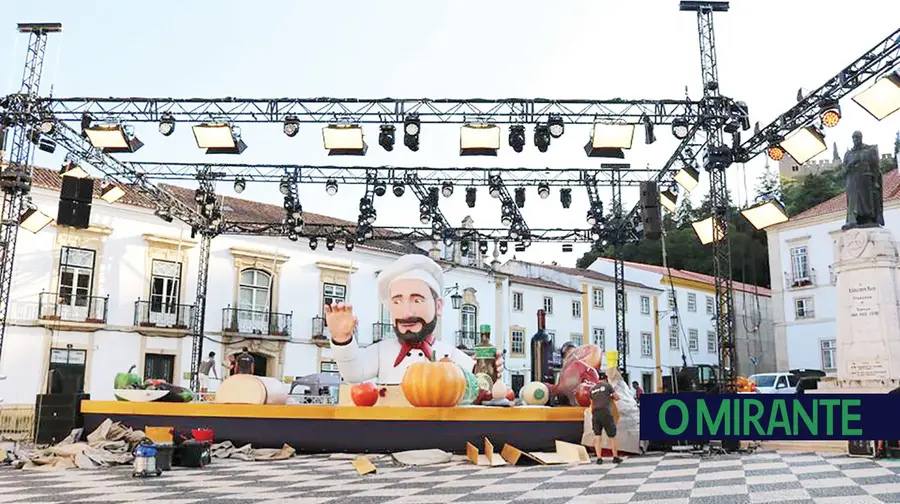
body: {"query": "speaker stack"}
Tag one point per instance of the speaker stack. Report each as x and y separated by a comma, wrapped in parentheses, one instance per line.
(651, 216)
(75, 202)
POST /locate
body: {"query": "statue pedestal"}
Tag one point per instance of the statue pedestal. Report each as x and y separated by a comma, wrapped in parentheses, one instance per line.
(868, 314)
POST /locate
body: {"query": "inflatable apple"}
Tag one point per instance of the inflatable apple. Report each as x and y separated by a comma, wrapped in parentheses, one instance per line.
(364, 394)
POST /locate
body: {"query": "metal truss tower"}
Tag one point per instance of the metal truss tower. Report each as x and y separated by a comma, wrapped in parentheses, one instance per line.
(618, 240)
(717, 158)
(15, 180)
(210, 209)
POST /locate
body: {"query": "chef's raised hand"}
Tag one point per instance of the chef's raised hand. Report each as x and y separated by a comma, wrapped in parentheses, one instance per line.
(498, 364)
(341, 321)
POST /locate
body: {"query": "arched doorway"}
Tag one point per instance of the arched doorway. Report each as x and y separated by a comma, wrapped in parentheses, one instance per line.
(260, 362)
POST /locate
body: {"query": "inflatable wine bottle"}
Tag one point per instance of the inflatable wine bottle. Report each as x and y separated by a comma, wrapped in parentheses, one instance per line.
(542, 353)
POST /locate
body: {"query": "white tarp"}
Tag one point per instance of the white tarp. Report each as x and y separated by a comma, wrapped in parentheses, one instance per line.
(628, 427)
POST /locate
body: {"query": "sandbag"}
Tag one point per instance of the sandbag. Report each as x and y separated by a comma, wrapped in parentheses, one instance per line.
(250, 389)
(626, 414)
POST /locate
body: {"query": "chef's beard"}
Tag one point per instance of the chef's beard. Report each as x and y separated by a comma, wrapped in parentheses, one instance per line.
(415, 336)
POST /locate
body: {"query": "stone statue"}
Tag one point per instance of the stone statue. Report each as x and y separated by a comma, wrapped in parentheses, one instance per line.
(865, 200)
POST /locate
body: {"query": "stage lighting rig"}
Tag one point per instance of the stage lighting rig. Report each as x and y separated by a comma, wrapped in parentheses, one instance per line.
(398, 189)
(830, 112)
(517, 137)
(447, 189)
(219, 138)
(565, 197)
(166, 124)
(520, 197)
(386, 137)
(543, 190)
(380, 188)
(471, 194)
(331, 187)
(344, 140)
(291, 126)
(113, 138)
(542, 136)
(680, 128)
(239, 185)
(411, 128)
(556, 125)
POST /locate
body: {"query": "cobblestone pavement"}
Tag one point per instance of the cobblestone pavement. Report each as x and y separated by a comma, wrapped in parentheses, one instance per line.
(663, 479)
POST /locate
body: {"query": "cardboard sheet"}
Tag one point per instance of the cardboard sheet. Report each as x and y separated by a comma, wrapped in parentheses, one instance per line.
(489, 458)
(363, 465)
(566, 453)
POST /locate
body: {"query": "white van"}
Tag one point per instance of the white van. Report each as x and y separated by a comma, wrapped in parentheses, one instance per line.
(776, 383)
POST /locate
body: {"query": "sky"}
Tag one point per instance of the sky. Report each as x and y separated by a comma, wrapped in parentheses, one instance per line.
(767, 50)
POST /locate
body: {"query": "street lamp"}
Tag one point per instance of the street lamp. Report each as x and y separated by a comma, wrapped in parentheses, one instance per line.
(455, 298)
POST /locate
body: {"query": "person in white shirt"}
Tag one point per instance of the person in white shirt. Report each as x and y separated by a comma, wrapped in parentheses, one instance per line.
(205, 367)
(412, 288)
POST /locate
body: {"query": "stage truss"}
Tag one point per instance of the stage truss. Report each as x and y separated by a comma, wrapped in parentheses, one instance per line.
(709, 120)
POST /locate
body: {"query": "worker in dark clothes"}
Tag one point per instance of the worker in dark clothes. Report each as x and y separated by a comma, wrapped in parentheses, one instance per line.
(246, 364)
(602, 396)
(881, 448)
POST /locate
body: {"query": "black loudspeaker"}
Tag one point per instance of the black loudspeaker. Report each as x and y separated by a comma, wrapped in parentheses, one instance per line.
(650, 212)
(75, 199)
(77, 189)
(74, 213)
(56, 415)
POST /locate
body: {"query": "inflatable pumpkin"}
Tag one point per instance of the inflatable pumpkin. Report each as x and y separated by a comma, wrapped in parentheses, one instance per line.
(434, 384)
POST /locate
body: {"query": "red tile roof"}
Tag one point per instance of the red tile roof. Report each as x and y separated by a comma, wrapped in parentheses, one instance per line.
(890, 190)
(537, 282)
(234, 210)
(695, 277)
(586, 273)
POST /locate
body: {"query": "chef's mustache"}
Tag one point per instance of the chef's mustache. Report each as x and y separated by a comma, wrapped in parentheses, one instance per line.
(411, 320)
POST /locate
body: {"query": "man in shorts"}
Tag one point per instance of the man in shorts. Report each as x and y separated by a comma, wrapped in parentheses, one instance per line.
(602, 396)
(206, 367)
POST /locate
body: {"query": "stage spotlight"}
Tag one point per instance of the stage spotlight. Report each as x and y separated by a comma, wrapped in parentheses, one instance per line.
(566, 247)
(219, 138)
(86, 121)
(291, 126)
(765, 214)
(464, 247)
(424, 217)
(479, 139)
(329, 243)
(111, 192)
(344, 140)
(680, 128)
(380, 188)
(483, 247)
(804, 144)
(239, 185)
(471, 193)
(44, 143)
(71, 169)
(293, 237)
(520, 197)
(447, 189)
(517, 137)
(687, 177)
(284, 186)
(544, 190)
(591, 218)
(649, 137)
(504, 247)
(705, 232)
(331, 187)
(494, 189)
(166, 124)
(47, 125)
(556, 125)
(398, 189)
(34, 220)
(882, 98)
(411, 128)
(313, 243)
(386, 137)
(565, 196)
(775, 152)
(829, 112)
(113, 138)
(669, 199)
(349, 243)
(610, 140)
(542, 137)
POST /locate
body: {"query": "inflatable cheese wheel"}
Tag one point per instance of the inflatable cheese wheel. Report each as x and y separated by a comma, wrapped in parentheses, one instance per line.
(535, 393)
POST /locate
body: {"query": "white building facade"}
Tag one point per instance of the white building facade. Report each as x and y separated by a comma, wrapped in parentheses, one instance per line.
(801, 259)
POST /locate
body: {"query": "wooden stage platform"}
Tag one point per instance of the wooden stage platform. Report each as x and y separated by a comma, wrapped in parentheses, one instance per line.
(332, 429)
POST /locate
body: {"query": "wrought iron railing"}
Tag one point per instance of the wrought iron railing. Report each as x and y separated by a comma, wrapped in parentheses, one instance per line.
(467, 339)
(73, 307)
(318, 327)
(163, 315)
(381, 331)
(260, 323)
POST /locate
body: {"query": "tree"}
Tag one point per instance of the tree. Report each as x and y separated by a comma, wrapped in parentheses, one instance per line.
(768, 186)
(807, 192)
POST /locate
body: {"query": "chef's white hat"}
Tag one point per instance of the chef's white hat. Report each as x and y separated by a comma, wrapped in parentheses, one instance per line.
(411, 266)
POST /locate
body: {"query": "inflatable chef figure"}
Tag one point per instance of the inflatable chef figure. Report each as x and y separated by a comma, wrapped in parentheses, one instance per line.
(412, 288)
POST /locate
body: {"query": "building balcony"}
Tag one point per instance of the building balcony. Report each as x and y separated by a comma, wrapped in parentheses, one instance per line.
(72, 311)
(382, 331)
(256, 324)
(163, 318)
(466, 339)
(318, 331)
